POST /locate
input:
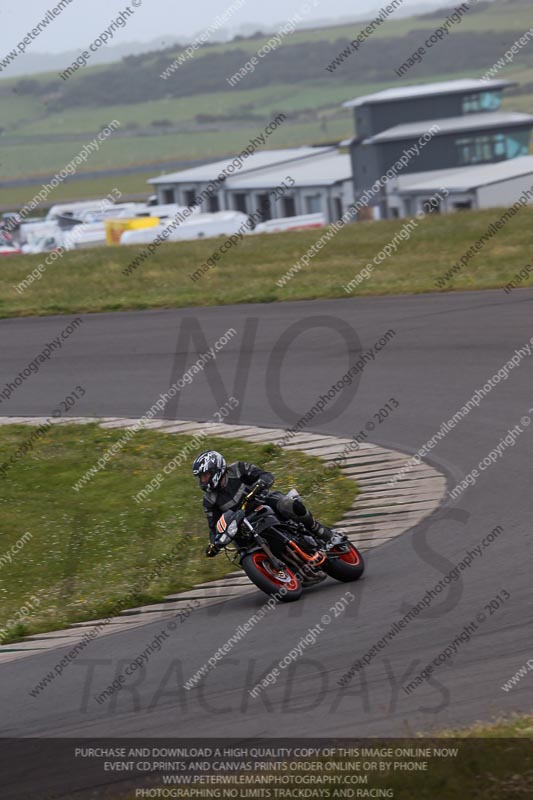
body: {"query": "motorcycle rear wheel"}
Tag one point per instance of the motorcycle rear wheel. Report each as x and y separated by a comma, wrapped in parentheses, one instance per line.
(259, 569)
(345, 567)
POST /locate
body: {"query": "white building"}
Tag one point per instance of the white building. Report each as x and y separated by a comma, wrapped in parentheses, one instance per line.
(277, 183)
(479, 187)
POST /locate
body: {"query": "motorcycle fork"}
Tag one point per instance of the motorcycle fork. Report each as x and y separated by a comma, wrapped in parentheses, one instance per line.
(278, 565)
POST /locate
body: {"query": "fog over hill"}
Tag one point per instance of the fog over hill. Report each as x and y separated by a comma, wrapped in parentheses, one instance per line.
(49, 54)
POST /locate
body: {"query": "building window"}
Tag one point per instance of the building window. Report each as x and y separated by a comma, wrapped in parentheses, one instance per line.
(498, 147)
(288, 206)
(240, 202)
(431, 206)
(263, 207)
(189, 196)
(482, 101)
(313, 204)
(213, 203)
(168, 196)
(337, 208)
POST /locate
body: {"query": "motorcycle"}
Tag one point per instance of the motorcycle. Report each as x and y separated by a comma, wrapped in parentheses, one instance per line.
(280, 556)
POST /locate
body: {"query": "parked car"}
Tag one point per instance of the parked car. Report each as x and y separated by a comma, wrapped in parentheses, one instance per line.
(9, 250)
(43, 244)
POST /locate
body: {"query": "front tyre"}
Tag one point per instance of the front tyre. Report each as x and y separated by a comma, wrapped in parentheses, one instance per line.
(344, 563)
(260, 570)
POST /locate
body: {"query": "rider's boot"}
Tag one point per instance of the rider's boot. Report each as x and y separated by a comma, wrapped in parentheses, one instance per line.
(329, 536)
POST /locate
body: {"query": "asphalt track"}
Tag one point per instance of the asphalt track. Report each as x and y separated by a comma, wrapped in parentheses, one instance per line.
(445, 347)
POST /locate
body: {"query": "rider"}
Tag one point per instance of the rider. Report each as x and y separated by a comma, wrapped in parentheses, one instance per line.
(225, 487)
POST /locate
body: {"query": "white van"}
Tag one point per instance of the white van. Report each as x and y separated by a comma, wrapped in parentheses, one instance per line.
(73, 209)
(90, 234)
(167, 211)
(300, 223)
(31, 234)
(199, 226)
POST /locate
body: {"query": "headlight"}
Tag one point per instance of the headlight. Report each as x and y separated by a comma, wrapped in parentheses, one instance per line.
(232, 530)
(224, 539)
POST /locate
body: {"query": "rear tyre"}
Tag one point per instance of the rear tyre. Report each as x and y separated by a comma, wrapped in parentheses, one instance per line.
(259, 569)
(344, 565)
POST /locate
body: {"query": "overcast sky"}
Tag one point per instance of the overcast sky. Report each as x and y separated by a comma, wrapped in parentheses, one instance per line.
(83, 20)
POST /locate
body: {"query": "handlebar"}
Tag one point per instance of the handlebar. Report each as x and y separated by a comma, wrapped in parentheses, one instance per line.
(250, 496)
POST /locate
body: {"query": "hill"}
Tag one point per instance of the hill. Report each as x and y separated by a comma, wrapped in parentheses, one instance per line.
(195, 113)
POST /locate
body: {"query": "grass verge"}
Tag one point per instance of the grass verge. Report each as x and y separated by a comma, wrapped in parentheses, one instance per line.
(88, 549)
(93, 280)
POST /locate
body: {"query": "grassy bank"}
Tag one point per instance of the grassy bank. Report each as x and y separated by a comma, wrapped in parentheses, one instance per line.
(87, 551)
(93, 280)
(495, 762)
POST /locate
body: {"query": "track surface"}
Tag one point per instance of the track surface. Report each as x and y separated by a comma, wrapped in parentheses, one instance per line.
(445, 347)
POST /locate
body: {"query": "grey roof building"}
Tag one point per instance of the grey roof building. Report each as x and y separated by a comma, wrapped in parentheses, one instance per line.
(443, 126)
(320, 185)
(479, 187)
(307, 179)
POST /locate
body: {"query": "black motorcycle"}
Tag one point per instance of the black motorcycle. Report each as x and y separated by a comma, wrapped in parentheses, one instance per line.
(279, 556)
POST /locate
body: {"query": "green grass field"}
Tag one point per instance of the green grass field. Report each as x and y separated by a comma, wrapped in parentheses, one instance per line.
(332, 123)
(27, 159)
(85, 189)
(89, 549)
(93, 280)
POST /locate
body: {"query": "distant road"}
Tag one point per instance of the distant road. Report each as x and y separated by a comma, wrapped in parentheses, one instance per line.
(81, 176)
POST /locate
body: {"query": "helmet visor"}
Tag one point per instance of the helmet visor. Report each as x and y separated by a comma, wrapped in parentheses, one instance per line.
(205, 477)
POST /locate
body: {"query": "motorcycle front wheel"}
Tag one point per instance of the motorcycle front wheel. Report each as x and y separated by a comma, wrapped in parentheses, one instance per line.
(285, 586)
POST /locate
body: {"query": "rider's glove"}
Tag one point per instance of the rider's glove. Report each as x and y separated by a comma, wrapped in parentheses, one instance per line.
(260, 489)
(211, 550)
